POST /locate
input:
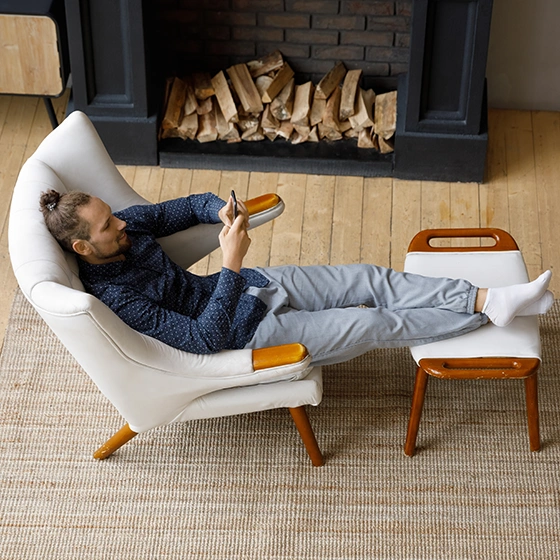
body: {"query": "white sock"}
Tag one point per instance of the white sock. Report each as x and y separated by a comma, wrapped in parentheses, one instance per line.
(503, 304)
(540, 307)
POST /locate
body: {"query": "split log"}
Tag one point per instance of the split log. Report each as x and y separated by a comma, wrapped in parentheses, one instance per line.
(263, 83)
(269, 121)
(283, 104)
(369, 101)
(245, 88)
(351, 133)
(188, 127)
(363, 118)
(385, 121)
(204, 107)
(175, 105)
(302, 104)
(254, 134)
(270, 124)
(297, 138)
(284, 75)
(332, 80)
(317, 110)
(191, 103)
(222, 125)
(164, 133)
(168, 133)
(386, 146)
(265, 64)
(328, 132)
(343, 126)
(202, 84)
(348, 96)
(364, 139)
(224, 97)
(232, 135)
(330, 115)
(207, 131)
(302, 130)
(313, 135)
(247, 122)
(226, 129)
(286, 129)
(270, 133)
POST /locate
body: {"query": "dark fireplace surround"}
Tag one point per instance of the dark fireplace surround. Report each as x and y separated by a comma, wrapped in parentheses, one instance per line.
(432, 51)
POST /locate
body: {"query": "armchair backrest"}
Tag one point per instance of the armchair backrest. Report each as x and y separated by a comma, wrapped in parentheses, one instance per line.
(149, 382)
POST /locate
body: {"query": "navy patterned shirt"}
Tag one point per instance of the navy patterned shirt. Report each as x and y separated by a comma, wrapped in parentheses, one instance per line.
(156, 297)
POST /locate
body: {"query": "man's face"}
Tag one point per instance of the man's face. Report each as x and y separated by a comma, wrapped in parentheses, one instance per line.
(108, 240)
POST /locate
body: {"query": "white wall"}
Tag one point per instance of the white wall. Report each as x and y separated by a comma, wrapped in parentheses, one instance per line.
(524, 55)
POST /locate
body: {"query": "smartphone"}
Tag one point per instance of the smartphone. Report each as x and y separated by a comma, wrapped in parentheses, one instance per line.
(234, 204)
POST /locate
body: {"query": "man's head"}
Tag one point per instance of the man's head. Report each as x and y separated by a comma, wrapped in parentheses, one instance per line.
(85, 224)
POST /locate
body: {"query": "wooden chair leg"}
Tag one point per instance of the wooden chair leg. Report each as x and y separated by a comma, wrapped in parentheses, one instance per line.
(308, 437)
(124, 435)
(415, 411)
(531, 397)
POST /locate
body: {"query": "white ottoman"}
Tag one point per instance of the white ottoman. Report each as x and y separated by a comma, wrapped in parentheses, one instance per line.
(511, 352)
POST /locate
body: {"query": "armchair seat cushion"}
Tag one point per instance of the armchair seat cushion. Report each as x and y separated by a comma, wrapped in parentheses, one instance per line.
(266, 396)
(485, 269)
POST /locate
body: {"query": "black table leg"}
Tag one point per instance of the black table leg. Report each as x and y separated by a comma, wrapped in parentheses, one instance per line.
(50, 111)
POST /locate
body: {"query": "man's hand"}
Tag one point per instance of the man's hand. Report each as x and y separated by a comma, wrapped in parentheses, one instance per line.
(226, 213)
(234, 242)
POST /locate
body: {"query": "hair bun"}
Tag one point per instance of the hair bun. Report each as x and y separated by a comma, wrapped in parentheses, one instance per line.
(49, 200)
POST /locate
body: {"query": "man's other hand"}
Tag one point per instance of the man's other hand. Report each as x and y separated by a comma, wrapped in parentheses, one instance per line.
(235, 242)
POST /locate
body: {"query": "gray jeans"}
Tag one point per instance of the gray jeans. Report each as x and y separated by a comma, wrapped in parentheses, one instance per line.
(340, 312)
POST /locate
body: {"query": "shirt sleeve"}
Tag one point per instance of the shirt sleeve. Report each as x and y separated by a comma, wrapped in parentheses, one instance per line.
(208, 333)
(175, 215)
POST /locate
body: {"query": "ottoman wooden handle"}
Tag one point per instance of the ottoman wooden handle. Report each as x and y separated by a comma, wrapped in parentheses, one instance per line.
(421, 241)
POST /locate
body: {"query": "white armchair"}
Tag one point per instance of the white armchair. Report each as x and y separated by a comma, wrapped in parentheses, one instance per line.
(150, 383)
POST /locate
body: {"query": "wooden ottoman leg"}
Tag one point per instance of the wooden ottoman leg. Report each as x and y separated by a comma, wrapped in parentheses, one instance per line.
(415, 411)
(531, 396)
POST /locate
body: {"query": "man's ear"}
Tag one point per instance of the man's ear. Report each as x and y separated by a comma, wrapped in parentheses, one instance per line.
(81, 247)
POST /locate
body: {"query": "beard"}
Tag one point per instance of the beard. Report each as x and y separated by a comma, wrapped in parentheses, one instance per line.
(124, 244)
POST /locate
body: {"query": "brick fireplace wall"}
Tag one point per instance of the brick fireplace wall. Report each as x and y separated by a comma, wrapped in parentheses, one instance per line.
(211, 35)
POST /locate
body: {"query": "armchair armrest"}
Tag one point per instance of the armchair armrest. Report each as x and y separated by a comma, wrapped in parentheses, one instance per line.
(275, 356)
(262, 203)
(189, 246)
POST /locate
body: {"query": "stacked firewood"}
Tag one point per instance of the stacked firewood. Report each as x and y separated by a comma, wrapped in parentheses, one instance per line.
(260, 100)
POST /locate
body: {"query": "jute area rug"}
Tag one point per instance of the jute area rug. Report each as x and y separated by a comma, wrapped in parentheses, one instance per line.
(243, 487)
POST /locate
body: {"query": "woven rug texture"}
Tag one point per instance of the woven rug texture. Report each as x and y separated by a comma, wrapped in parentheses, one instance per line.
(243, 487)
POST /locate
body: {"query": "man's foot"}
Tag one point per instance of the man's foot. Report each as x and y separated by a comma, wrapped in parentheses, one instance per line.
(504, 304)
(540, 307)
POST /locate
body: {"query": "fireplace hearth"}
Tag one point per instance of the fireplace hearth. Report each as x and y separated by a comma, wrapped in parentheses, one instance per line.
(433, 51)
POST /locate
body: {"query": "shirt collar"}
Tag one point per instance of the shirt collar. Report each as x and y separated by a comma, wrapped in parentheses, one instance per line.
(107, 269)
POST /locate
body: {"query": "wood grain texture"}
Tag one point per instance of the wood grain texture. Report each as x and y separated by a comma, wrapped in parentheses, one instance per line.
(347, 220)
(29, 59)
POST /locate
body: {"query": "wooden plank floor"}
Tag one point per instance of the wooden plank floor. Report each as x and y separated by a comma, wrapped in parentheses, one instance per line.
(343, 219)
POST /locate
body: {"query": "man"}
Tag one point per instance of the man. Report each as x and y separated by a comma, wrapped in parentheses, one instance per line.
(337, 312)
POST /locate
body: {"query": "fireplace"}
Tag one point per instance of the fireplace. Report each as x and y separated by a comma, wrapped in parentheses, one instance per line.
(432, 51)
